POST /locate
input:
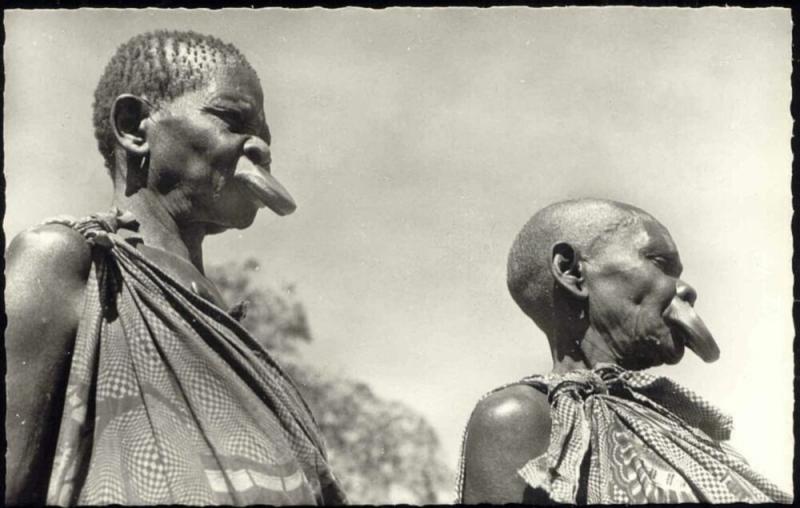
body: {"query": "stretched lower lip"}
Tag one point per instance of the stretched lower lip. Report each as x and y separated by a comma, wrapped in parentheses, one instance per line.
(672, 347)
(686, 325)
(678, 336)
(679, 343)
(254, 198)
(263, 188)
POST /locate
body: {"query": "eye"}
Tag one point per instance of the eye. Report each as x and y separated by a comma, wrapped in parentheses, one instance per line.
(232, 118)
(670, 265)
(660, 262)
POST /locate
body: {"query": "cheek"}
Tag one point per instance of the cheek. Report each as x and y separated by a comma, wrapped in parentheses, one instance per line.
(205, 169)
(622, 288)
(659, 292)
(611, 302)
(631, 300)
(195, 147)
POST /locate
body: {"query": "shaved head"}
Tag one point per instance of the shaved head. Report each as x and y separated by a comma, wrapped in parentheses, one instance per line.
(586, 224)
(602, 279)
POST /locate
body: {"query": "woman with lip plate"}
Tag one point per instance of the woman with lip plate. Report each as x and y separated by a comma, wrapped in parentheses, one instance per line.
(603, 281)
(128, 381)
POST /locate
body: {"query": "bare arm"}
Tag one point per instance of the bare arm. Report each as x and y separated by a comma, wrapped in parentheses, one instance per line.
(507, 429)
(46, 271)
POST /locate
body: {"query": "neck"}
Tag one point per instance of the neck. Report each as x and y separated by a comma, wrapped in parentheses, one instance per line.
(573, 351)
(158, 227)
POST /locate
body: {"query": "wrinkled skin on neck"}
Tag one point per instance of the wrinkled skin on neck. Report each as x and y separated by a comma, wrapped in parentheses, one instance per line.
(640, 312)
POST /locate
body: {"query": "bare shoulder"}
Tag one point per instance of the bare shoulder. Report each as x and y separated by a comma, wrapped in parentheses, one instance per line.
(506, 430)
(46, 272)
(517, 414)
(48, 246)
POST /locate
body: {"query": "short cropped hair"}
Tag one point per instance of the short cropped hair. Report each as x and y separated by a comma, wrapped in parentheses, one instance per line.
(586, 224)
(159, 66)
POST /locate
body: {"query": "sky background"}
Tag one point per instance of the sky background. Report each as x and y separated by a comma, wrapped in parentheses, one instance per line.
(417, 142)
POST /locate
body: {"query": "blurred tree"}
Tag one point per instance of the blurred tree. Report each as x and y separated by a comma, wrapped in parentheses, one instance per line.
(273, 316)
(383, 452)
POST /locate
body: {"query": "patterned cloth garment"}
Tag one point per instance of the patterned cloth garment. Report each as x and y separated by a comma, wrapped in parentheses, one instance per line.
(171, 401)
(645, 439)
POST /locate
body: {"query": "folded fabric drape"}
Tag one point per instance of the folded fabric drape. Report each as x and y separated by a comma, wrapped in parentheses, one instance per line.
(646, 439)
(171, 401)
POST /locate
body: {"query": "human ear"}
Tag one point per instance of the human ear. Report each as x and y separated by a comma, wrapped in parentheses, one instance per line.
(127, 115)
(567, 269)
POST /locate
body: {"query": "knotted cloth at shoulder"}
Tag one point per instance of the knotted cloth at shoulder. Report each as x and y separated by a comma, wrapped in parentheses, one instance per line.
(647, 440)
(97, 227)
(171, 401)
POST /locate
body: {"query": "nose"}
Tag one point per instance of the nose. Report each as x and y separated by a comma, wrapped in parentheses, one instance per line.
(686, 292)
(257, 150)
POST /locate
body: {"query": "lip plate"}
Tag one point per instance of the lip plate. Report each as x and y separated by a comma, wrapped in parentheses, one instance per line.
(266, 190)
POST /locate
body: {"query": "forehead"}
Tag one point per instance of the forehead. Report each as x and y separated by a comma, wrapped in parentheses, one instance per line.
(232, 86)
(220, 70)
(644, 235)
(235, 82)
(656, 236)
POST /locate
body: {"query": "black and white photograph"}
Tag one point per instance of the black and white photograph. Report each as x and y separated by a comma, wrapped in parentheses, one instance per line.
(409, 255)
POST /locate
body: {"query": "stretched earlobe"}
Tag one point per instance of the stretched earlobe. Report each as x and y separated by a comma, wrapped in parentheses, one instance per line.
(567, 269)
(126, 117)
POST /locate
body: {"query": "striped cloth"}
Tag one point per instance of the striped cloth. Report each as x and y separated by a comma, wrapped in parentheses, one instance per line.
(645, 439)
(171, 401)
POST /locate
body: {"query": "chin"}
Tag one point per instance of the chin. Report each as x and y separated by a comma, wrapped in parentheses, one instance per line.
(215, 229)
(240, 216)
(675, 357)
(653, 351)
(239, 221)
(672, 349)
(244, 221)
(639, 363)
